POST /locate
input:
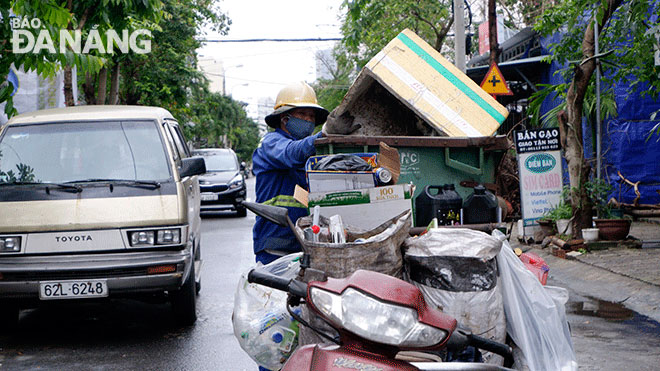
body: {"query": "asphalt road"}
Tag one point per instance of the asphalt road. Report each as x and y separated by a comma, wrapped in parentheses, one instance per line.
(133, 335)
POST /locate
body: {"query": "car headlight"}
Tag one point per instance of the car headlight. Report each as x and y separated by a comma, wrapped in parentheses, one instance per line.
(374, 320)
(170, 236)
(10, 244)
(236, 182)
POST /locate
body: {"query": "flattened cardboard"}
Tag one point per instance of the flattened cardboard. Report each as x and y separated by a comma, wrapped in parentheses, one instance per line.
(429, 85)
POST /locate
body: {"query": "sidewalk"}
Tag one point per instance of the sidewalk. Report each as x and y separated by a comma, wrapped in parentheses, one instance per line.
(627, 276)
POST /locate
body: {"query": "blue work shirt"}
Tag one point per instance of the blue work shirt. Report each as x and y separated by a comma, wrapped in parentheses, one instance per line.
(278, 163)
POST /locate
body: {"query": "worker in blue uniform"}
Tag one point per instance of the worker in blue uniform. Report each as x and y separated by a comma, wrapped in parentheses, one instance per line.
(278, 164)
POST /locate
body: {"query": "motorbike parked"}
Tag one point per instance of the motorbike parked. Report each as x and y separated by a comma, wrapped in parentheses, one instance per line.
(376, 316)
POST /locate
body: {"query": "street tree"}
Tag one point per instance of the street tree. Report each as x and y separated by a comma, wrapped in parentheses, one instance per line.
(627, 31)
(53, 16)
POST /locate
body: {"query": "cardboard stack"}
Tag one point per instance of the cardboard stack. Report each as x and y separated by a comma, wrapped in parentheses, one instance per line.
(354, 195)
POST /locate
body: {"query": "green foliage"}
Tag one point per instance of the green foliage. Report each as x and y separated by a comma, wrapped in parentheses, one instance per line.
(83, 15)
(370, 24)
(25, 175)
(168, 77)
(629, 33)
(563, 210)
(222, 122)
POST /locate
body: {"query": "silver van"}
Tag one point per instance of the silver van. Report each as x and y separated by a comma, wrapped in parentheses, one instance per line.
(97, 202)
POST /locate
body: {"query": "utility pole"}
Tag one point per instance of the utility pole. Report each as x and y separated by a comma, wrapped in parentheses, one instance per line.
(459, 38)
(492, 33)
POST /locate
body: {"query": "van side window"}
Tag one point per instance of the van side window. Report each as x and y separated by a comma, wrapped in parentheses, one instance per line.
(180, 145)
(170, 140)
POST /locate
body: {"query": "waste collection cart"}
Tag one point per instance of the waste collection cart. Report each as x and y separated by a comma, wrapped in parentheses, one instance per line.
(431, 160)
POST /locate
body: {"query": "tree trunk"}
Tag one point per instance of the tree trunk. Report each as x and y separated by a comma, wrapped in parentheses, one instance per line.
(89, 89)
(492, 33)
(103, 80)
(571, 127)
(69, 99)
(114, 85)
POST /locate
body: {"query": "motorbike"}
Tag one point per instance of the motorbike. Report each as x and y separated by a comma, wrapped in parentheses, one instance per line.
(382, 322)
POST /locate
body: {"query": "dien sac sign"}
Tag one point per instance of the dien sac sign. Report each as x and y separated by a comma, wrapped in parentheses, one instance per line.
(540, 165)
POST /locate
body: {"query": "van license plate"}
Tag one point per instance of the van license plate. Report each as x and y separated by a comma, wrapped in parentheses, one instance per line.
(73, 289)
(209, 197)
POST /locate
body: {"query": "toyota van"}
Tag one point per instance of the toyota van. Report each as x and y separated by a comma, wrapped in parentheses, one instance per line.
(98, 202)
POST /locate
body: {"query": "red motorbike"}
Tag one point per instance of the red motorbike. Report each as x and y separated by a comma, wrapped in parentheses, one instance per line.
(376, 316)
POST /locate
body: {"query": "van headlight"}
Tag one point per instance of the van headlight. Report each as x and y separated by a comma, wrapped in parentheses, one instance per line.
(375, 320)
(10, 244)
(169, 236)
(236, 182)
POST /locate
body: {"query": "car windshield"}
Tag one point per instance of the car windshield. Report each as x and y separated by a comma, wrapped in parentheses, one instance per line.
(67, 152)
(220, 161)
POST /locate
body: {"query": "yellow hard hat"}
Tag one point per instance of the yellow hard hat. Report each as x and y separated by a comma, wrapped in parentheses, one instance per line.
(298, 95)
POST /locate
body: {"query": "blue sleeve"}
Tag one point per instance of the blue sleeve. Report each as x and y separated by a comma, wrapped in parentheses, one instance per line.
(280, 152)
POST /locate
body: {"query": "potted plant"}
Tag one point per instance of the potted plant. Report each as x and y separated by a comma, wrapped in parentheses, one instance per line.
(561, 216)
(611, 224)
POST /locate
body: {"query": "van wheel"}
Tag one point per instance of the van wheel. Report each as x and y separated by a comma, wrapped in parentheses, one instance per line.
(184, 301)
(241, 212)
(8, 317)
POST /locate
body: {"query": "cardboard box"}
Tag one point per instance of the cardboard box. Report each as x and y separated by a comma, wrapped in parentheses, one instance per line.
(329, 181)
(361, 208)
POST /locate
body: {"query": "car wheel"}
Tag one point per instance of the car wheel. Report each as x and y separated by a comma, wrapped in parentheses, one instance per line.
(8, 317)
(241, 212)
(184, 301)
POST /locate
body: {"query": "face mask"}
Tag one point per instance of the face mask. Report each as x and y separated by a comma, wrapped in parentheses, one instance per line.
(299, 128)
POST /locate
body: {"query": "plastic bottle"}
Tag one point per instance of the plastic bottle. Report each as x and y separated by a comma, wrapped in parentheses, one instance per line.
(336, 227)
(271, 339)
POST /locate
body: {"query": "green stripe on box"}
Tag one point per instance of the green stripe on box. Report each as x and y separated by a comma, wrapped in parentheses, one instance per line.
(450, 76)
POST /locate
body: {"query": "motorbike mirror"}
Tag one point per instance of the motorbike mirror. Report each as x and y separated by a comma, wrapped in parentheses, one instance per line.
(275, 214)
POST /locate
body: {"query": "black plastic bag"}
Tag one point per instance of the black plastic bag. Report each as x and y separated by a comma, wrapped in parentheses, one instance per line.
(343, 162)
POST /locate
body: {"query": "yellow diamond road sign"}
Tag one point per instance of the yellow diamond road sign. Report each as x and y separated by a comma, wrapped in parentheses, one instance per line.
(494, 82)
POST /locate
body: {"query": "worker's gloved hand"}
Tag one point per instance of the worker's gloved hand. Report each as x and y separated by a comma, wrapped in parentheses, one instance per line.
(343, 126)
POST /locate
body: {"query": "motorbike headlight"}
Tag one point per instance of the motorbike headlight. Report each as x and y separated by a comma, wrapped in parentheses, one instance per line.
(375, 320)
(10, 244)
(236, 182)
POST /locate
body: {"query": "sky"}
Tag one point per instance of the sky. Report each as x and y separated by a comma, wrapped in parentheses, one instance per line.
(261, 69)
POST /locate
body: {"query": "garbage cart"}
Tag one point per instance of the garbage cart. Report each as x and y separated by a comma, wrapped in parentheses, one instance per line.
(431, 160)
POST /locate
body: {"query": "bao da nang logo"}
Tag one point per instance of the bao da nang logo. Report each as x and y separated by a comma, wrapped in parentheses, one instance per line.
(23, 39)
(540, 163)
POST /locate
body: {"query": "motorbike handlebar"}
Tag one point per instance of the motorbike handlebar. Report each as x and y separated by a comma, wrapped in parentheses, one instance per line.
(460, 339)
(283, 284)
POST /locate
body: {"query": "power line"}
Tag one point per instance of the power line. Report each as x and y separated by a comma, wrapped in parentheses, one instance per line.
(267, 40)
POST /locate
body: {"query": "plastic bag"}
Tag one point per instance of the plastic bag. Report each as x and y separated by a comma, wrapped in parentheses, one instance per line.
(343, 162)
(262, 325)
(457, 273)
(536, 318)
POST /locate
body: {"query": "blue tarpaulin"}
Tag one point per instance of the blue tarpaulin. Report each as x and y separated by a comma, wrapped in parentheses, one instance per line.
(625, 147)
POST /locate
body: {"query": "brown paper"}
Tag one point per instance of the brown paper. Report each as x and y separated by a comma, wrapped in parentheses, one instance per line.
(301, 195)
(389, 159)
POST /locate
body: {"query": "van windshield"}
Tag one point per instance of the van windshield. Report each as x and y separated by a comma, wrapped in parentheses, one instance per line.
(68, 152)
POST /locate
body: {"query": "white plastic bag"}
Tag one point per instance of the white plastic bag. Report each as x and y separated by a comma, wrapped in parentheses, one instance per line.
(262, 325)
(456, 271)
(535, 316)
